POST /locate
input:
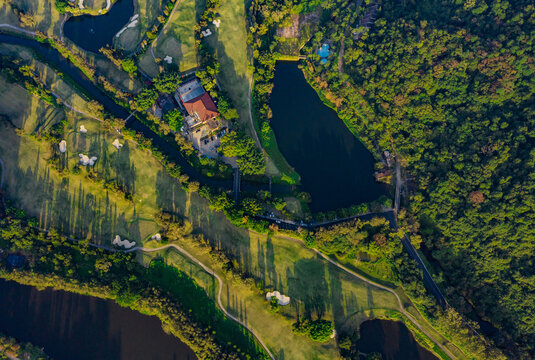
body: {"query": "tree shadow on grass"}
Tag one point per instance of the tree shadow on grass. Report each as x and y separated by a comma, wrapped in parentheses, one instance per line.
(307, 285)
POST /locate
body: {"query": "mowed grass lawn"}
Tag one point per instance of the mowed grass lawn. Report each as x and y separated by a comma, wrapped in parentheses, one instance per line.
(178, 39)
(47, 18)
(230, 44)
(148, 11)
(75, 204)
(316, 287)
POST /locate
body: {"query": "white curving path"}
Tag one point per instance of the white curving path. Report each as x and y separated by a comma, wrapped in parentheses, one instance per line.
(209, 271)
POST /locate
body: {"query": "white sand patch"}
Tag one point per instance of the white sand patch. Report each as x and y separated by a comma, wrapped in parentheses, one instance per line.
(62, 146)
(131, 23)
(81, 4)
(117, 144)
(168, 59)
(206, 33)
(156, 237)
(86, 160)
(333, 335)
(217, 23)
(282, 299)
(83, 130)
(124, 243)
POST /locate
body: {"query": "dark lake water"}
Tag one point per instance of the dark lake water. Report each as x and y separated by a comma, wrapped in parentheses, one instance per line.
(335, 167)
(392, 339)
(93, 32)
(71, 326)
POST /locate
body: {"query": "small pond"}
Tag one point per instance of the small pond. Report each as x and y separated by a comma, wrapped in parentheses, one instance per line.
(71, 326)
(93, 32)
(335, 167)
(392, 339)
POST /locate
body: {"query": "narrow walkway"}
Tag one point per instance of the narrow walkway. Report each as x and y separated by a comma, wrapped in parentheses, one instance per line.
(401, 307)
(209, 271)
(251, 121)
(16, 28)
(428, 279)
(163, 29)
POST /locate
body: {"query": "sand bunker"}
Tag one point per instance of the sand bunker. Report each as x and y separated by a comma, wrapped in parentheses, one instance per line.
(124, 243)
(206, 33)
(217, 23)
(131, 23)
(117, 144)
(168, 59)
(62, 146)
(282, 299)
(156, 237)
(83, 130)
(86, 160)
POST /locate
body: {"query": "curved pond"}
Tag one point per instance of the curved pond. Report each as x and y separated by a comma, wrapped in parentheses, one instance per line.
(335, 167)
(392, 339)
(71, 326)
(93, 32)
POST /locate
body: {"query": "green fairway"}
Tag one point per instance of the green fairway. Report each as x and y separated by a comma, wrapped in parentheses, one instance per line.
(178, 39)
(230, 44)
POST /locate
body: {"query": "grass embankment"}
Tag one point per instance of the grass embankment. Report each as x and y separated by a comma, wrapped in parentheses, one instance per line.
(177, 40)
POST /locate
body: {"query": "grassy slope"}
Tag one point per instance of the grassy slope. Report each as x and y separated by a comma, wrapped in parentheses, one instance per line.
(230, 43)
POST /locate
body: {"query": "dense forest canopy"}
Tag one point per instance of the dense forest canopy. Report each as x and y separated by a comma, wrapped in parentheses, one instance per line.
(448, 86)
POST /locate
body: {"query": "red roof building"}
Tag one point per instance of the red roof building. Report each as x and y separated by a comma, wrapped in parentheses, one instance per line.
(203, 106)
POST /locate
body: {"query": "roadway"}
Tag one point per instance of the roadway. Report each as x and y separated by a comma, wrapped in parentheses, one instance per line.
(428, 279)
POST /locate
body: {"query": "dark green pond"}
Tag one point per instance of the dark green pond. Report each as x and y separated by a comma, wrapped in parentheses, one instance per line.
(392, 340)
(335, 168)
(71, 326)
(93, 32)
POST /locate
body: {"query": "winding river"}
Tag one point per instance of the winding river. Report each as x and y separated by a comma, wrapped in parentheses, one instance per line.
(71, 326)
